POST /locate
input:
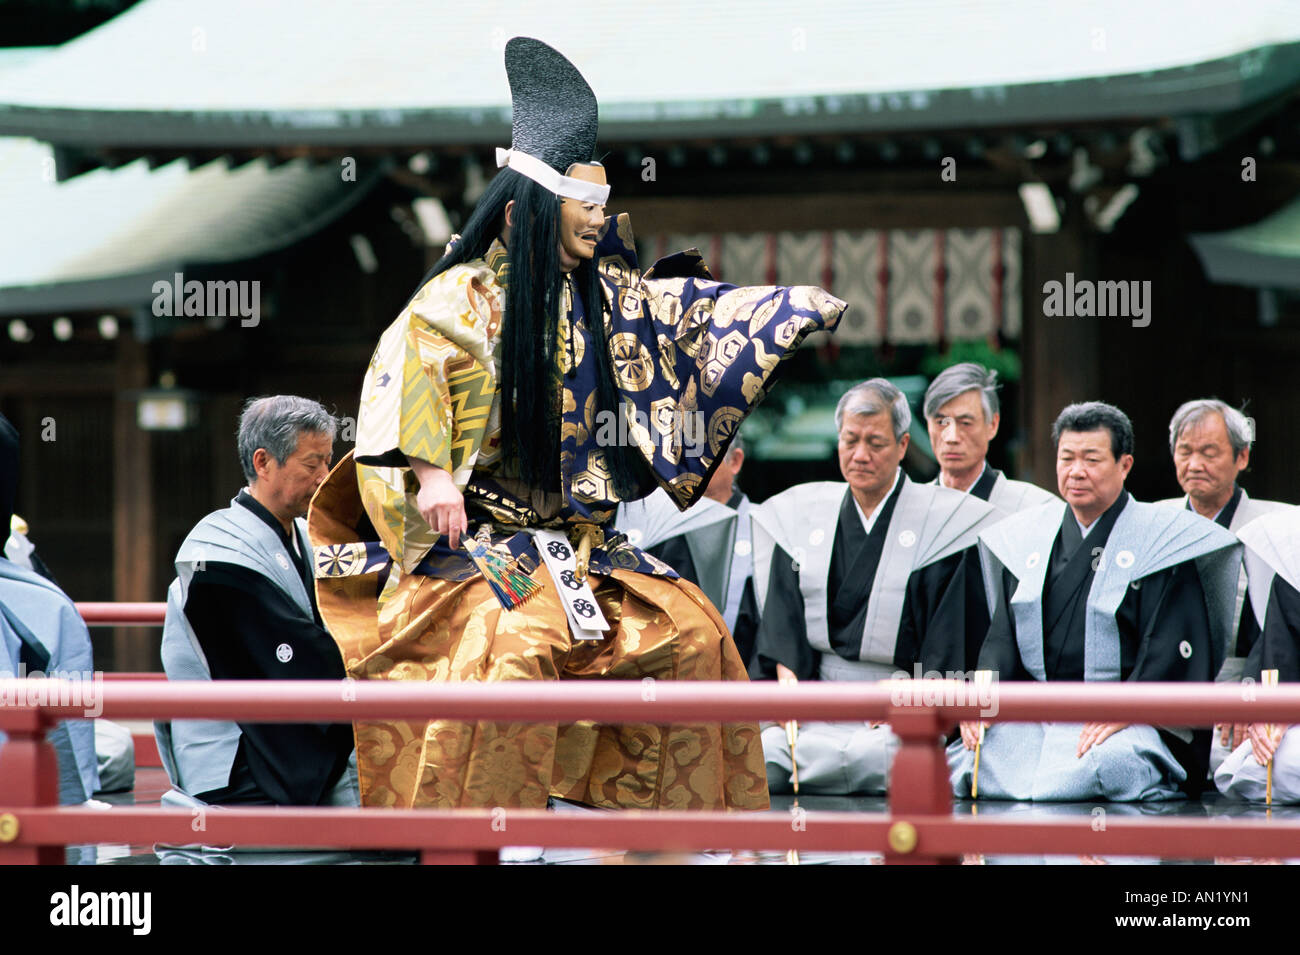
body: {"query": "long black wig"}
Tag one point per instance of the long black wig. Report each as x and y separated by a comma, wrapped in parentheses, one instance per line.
(530, 375)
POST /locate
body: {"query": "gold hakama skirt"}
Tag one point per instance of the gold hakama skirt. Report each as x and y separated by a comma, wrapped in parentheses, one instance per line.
(432, 629)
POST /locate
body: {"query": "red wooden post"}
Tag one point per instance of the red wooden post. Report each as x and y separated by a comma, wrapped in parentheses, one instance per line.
(918, 783)
(29, 776)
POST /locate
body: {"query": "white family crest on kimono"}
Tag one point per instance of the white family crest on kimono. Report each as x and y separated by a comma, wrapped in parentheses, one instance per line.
(918, 531)
(1038, 761)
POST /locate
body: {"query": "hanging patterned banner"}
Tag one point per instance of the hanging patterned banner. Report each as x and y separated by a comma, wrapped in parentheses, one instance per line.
(856, 267)
(968, 262)
(958, 284)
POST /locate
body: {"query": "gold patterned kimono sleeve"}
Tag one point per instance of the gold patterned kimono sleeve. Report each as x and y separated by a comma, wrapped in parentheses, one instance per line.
(428, 393)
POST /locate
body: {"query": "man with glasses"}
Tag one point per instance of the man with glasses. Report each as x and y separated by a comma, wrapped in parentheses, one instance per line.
(859, 581)
(962, 414)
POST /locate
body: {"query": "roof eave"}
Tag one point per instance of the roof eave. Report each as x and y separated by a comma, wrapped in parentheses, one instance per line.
(1217, 86)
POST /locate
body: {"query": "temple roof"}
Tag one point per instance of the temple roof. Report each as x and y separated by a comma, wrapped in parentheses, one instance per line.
(102, 239)
(390, 72)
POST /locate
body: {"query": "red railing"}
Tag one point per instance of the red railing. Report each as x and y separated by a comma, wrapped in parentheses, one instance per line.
(100, 614)
(122, 614)
(918, 828)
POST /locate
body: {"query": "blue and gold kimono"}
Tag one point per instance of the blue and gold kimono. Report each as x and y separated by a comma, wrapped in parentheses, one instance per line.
(691, 357)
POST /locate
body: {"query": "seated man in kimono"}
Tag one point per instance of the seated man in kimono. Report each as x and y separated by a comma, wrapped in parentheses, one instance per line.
(1210, 442)
(860, 581)
(243, 607)
(1272, 560)
(1100, 588)
(962, 415)
(41, 634)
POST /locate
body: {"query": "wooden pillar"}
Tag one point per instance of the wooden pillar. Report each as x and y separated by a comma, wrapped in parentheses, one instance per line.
(1062, 356)
(134, 543)
(459, 857)
(220, 421)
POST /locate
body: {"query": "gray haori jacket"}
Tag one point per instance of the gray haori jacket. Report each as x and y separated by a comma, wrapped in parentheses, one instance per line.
(928, 524)
(1272, 545)
(1145, 539)
(199, 754)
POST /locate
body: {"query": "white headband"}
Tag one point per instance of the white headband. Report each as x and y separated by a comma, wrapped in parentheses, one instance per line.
(542, 174)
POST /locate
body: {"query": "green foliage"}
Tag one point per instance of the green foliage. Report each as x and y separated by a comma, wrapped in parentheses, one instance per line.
(1005, 362)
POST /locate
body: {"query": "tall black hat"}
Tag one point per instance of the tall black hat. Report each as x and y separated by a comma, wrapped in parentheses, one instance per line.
(554, 119)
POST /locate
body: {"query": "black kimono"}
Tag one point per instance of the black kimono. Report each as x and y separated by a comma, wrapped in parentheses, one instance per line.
(1160, 612)
(249, 629)
(944, 602)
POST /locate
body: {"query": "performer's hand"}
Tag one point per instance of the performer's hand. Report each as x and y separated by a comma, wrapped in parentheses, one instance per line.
(1096, 733)
(971, 731)
(1231, 735)
(439, 503)
(1264, 739)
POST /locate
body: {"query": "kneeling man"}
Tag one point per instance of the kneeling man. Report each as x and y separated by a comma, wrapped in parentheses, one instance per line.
(243, 607)
(1210, 442)
(1272, 561)
(1099, 589)
(861, 580)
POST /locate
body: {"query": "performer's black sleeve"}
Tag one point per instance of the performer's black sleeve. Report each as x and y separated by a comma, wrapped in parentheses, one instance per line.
(945, 603)
(1000, 652)
(746, 631)
(241, 620)
(782, 632)
(1278, 645)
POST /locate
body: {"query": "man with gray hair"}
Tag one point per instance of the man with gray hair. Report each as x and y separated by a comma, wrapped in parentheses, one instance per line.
(859, 581)
(962, 415)
(1210, 443)
(243, 607)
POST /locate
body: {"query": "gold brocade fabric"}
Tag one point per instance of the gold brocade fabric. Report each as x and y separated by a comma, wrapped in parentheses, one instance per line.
(689, 357)
(431, 629)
